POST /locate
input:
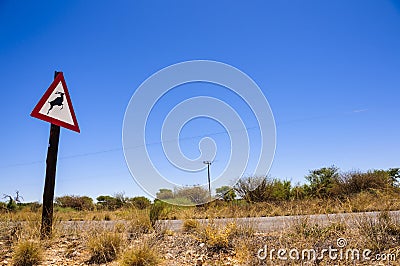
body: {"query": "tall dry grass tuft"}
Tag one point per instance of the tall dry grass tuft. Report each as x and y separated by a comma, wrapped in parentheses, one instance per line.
(27, 253)
(380, 233)
(190, 225)
(104, 247)
(218, 236)
(303, 228)
(138, 225)
(143, 255)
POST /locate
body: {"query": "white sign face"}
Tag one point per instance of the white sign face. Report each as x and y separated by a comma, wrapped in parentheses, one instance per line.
(56, 107)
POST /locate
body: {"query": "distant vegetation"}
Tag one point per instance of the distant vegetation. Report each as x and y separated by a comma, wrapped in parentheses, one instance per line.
(326, 182)
(251, 196)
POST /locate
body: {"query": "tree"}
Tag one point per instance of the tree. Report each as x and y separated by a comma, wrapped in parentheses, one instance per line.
(195, 194)
(251, 188)
(140, 202)
(109, 203)
(165, 193)
(12, 202)
(354, 182)
(226, 193)
(260, 189)
(321, 181)
(79, 203)
(281, 190)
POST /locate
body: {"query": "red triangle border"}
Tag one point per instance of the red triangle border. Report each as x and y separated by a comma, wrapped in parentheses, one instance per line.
(35, 113)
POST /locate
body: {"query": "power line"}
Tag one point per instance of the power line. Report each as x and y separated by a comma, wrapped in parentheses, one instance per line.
(80, 155)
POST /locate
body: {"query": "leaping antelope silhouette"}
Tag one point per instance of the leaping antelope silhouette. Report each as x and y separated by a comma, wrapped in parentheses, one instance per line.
(57, 101)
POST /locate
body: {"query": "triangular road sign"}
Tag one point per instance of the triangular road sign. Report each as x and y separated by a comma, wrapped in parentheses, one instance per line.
(55, 106)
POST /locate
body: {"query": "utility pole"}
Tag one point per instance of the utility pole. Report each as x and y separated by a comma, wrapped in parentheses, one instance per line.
(208, 163)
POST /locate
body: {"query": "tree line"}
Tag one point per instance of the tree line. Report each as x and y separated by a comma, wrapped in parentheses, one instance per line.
(320, 183)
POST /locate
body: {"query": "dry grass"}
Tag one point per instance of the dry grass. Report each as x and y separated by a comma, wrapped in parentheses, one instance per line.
(220, 237)
(27, 253)
(380, 233)
(212, 242)
(371, 200)
(190, 225)
(138, 225)
(142, 255)
(208, 243)
(104, 247)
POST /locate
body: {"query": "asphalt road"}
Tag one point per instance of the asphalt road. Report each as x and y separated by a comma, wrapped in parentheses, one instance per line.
(268, 224)
(261, 224)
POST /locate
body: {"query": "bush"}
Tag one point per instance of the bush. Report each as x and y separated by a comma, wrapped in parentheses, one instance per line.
(27, 253)
(196, 194)
(261, 189)
(3, 207)
(140, 256)
(75, 202)
(356, 182)
(226, 193)
(11, 205)
(215, 237)
(104, 247)
(110, 203)
(252, 189)
(35, 206)
(157, 212)
(140, 203)
(190, 225)
(321, 181)
(165, 193)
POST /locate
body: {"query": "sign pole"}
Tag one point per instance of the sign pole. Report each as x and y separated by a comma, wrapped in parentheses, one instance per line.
(49, 185)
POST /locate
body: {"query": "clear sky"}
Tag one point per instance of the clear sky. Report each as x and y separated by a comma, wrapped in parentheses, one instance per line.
(329, 69)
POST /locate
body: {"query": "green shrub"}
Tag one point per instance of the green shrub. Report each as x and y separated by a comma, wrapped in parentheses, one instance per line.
(3, 207)
(35, 206)
(226, 193)
(157, 212)
(261, 189)
(11, 205)
(321, 181)
(27, 253)
(356, 182)
(165, 193)
(196, 194)
(140, 203)
(110, 203)
(78, 203)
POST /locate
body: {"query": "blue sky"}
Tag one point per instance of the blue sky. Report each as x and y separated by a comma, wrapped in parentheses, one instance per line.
(329, 69)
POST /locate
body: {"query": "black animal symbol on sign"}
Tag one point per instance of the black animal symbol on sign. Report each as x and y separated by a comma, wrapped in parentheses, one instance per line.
(57, 101)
